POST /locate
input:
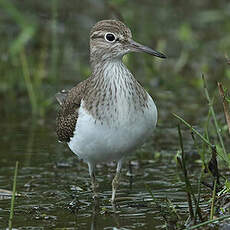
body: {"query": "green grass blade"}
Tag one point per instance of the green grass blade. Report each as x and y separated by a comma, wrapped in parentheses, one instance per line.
(54, 51)
(28, 82)
(210, 104)
(223, 156)
(13, 196)
(194, 130)
(207, 222)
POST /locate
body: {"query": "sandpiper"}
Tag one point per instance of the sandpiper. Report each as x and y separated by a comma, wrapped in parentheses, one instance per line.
(108, 115)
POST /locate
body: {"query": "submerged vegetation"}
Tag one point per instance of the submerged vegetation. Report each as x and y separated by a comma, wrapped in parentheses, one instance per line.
(44, 48)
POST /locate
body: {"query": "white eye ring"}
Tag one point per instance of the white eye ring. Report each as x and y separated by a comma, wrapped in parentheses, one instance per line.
(110, 37)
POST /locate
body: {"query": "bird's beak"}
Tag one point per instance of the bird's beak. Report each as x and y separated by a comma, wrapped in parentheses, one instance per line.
(137, 47)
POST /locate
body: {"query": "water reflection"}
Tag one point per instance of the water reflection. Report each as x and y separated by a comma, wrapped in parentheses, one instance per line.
(50, 177)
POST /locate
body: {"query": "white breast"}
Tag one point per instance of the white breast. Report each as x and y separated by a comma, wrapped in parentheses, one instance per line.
(124, 124)
(95, 141)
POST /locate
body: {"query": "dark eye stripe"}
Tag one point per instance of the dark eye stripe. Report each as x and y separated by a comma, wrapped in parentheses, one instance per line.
(97, 36)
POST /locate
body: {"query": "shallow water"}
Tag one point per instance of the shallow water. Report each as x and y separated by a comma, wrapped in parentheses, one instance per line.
(54, 184)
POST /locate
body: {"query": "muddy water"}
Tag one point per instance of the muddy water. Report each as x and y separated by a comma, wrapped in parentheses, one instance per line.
(54, 185)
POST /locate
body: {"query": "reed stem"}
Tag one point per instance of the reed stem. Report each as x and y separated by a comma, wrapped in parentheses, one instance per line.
(13, 196)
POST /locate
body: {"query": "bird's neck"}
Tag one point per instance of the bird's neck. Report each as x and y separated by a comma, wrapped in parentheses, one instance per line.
(114, 90)
(109, 70)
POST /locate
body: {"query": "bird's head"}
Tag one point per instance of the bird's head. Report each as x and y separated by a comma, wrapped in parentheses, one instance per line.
(111, 39)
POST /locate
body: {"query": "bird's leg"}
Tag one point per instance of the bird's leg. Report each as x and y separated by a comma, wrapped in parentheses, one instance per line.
(93, 179)
(116, 179)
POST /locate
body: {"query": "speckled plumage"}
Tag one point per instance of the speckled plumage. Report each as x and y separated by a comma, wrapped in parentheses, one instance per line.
(109, 114)
(96, 90)
(68, 112)
(100, 103)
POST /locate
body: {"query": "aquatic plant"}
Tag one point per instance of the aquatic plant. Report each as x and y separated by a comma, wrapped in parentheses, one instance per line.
(13, 197)
(217, 150)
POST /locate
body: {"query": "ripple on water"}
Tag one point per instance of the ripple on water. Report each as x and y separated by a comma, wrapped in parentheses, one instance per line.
(55, 186)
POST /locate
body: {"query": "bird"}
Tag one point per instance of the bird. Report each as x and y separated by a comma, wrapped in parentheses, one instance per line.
(108, 115)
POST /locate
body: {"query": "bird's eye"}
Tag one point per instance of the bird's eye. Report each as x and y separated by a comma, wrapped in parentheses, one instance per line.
(110, 37)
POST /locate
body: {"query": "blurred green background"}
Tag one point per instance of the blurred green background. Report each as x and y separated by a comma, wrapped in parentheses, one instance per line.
(44, 48)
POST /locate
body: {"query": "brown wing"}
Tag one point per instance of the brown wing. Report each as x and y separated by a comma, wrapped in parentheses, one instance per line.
(68, 113)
